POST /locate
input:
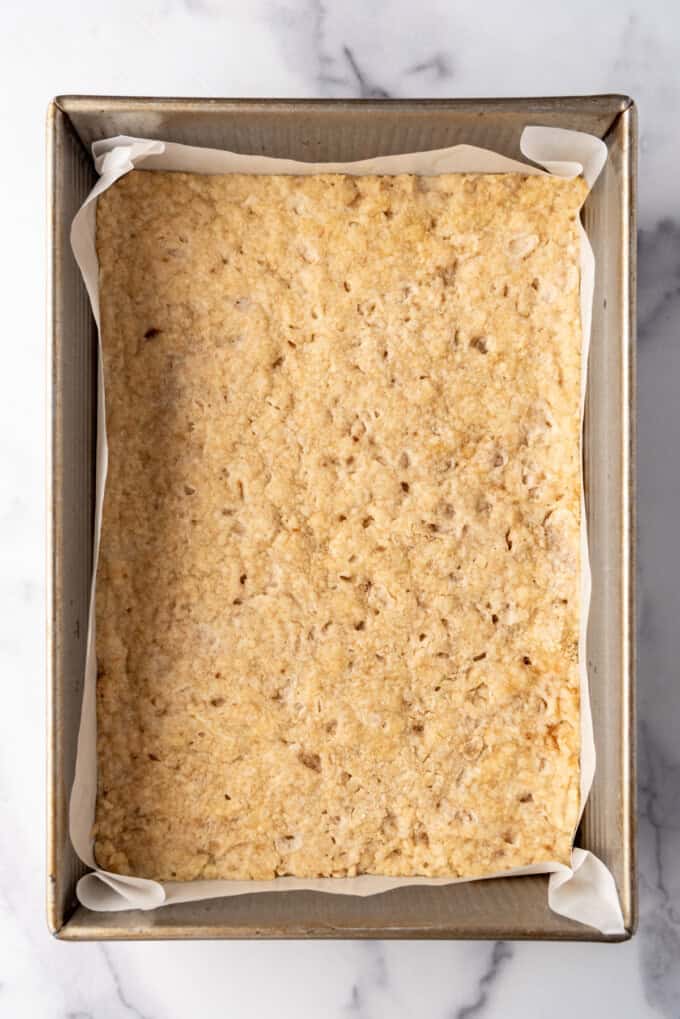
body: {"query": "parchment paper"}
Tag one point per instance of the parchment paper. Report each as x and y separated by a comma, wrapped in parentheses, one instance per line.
(586, 891)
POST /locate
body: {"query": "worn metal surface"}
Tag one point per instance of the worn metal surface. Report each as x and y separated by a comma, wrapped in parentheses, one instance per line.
(341, 130)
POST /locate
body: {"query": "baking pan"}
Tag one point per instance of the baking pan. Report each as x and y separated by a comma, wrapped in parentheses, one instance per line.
(326, 130)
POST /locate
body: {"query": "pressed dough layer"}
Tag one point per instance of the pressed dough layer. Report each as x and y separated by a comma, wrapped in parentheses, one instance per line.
(338, 587)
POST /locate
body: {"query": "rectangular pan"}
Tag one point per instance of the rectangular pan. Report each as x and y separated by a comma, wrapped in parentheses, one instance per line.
(333, 130)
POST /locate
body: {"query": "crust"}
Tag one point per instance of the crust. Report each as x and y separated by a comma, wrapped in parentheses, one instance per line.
(338, 585)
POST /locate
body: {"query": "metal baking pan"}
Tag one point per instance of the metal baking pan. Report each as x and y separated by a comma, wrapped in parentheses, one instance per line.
(342, 130)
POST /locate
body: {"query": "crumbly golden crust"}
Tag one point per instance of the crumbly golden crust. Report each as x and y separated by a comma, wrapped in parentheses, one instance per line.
(338, 584)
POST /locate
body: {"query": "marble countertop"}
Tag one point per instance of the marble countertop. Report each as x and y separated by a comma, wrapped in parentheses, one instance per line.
(347, 48)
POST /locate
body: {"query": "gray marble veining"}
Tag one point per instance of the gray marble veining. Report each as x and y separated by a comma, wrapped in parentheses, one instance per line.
(341, 48)
(501, 953)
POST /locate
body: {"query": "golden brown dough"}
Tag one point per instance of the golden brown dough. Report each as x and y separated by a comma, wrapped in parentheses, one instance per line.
(338, 585)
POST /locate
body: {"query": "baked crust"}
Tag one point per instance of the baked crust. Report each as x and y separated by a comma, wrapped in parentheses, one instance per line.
(338, 587)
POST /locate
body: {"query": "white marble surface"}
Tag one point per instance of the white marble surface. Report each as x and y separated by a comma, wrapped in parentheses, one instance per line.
(308, 48)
